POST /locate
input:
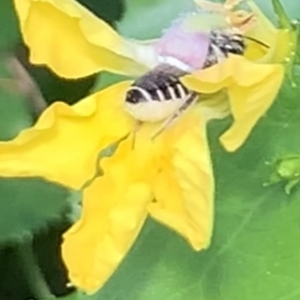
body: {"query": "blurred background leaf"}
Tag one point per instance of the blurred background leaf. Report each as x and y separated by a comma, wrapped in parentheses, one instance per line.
(146, 19)
(29, 205)
(8, 24)
(292, 8)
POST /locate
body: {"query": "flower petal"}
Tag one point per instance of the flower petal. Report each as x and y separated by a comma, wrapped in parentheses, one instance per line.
(114, 209)
(113, 215)
(64, 144)
(184, 187)
(251, 89)
(250, 103)
(282, 42)
(74, 43)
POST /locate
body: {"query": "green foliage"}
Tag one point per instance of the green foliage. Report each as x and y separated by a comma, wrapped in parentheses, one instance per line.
(27, 205)
(291, 7)
(108, 10)
(146, 19)
(14, 112)
(8, 24)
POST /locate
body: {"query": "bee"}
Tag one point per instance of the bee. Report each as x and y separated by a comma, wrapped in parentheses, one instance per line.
(159, 94)
(159, 91)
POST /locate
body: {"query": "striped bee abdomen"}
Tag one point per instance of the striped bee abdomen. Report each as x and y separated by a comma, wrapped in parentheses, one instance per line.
(156, 95)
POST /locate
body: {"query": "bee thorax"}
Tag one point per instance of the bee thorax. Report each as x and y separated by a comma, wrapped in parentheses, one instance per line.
(222, 43)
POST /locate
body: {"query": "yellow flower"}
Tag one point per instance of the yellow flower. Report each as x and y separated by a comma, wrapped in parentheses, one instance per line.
(175, 170)
(169, 178)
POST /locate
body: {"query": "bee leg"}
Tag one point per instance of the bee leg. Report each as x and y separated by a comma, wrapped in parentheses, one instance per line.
(190, 100)
(136, 128)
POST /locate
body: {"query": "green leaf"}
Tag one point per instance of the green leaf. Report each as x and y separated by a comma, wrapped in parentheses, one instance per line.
(108, 10)
(8, 24)
(283, 19)
(105, 79)
(292, 8)
(14, 111)
(145, 19)
(29, 205)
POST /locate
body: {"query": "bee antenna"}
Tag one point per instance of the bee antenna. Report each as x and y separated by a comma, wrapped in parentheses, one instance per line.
(256, 41)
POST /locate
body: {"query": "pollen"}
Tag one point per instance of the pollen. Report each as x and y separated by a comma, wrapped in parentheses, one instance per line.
(188, 47)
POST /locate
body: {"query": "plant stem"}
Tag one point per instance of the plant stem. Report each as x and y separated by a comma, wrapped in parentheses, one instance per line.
(32, 272)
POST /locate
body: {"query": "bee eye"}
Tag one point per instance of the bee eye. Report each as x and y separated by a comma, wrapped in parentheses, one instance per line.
(137, 94)
(133, 96)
